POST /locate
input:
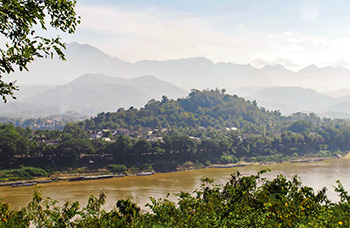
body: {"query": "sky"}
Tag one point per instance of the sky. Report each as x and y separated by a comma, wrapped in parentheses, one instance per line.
(294, 33)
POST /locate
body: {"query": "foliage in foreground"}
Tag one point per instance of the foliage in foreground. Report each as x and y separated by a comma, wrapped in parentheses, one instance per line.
(21, 23)
(244, 201)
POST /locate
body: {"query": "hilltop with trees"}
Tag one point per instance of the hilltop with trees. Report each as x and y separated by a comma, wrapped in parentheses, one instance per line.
(207, 108)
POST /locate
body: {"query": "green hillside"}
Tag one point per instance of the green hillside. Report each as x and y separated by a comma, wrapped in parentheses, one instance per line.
(207, 108)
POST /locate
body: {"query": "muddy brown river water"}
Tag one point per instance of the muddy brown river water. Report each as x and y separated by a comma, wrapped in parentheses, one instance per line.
(140, 188)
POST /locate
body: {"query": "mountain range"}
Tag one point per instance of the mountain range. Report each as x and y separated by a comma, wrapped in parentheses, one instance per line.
(89, 94)
(90, 81)
(197, 72)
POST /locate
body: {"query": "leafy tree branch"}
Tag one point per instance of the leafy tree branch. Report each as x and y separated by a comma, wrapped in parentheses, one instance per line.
(19, 21)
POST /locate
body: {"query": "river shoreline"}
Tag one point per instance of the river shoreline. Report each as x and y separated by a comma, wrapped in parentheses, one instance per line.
(96, 175)
(161, 185)
(242, 164)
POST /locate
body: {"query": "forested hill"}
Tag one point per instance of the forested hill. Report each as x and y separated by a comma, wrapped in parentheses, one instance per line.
(204, 108)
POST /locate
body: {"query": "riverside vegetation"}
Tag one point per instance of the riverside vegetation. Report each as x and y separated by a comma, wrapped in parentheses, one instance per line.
(244, 201)
(207, 127)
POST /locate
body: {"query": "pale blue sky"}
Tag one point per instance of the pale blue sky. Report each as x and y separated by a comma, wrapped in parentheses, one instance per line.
(292, 33)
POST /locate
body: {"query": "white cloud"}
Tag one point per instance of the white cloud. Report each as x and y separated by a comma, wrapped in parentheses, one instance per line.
(304, 49)
(134, 34)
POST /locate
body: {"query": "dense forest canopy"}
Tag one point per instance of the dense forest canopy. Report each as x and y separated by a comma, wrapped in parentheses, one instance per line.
(207, 108)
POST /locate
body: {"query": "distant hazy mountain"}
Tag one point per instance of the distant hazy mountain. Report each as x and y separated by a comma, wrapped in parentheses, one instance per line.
(185, 73)
(295, 99)
(338, 93)
(93, 93)
(342, 107)
(28, 91)
(81, 59)
(188, 73)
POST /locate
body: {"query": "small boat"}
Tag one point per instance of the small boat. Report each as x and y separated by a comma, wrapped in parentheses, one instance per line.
(229, 166)
(24, 184)
(90, 177)
(144, 174)
(300, 161)
(76, 178)
(43, 181)
(98, 177)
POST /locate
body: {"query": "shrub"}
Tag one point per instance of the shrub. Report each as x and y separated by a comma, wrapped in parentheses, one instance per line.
(225, 159)
(146, 167)
(23, 173)
(116, 168)
(188, 163)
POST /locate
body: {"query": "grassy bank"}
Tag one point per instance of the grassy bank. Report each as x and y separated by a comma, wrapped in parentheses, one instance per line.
(24, 173)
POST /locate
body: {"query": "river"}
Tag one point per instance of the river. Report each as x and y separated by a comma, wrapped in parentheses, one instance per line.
(140, 188)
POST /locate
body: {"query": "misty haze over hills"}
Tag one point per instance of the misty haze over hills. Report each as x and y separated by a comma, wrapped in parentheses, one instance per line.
(90, 94)
(188, 73)
(295, 99)
(91, 81)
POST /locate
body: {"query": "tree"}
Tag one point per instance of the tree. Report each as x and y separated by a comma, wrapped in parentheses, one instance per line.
(72, 149)
(18, 25)
(121, 148)
(299, 126)
(140, 148)
(117, 168)
(11, 144)
(209, 149)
